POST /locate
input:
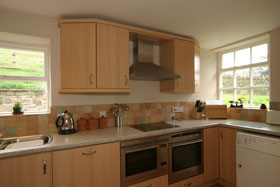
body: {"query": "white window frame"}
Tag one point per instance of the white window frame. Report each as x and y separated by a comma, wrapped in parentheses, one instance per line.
(29, 43)
(249, 66)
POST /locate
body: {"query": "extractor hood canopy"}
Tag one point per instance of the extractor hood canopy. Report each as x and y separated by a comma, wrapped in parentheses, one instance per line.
(143, 67)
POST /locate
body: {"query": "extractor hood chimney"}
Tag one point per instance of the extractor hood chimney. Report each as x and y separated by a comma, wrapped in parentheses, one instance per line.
(143, 67)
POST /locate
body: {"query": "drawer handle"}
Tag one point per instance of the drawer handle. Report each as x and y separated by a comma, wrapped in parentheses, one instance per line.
(150, 185)
(188, 184)
(89, 153)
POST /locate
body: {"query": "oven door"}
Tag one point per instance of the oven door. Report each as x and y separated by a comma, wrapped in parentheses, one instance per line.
(186, 160)
(140, 163)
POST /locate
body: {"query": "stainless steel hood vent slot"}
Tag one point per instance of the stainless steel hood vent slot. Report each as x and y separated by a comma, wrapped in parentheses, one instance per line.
(143, 67)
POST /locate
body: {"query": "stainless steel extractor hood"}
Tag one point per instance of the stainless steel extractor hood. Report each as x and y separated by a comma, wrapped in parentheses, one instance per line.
(143, 67)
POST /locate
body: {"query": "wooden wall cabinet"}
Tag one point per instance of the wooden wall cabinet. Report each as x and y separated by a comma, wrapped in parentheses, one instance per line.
(78, 55)
(112, 57)
(94, 58)
(156, 182)
(227, 139)
(27, 171)
(211, 154)
(97, 165)
(178, 56)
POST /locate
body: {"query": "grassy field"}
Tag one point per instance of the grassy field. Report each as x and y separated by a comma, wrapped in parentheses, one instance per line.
(21, 63)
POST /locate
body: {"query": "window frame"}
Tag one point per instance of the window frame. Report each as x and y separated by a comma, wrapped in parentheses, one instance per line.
(249, 66)
(32, 45)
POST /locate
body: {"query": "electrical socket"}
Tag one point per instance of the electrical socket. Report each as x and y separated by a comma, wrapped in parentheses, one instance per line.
(102, 113)
(177, 109)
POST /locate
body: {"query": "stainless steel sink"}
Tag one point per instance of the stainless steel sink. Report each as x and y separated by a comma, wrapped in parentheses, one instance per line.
(24, 141)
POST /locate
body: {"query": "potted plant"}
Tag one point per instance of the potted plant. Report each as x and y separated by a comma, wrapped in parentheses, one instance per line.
(17, 108)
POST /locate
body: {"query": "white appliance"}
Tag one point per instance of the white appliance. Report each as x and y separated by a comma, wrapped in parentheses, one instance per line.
(273, 117)
(258, 160)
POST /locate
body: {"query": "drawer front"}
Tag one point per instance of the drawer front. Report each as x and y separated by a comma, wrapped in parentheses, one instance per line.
(156, 182)
(190, 182)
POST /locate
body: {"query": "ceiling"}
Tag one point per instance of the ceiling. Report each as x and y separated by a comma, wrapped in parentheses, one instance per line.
(213, 23)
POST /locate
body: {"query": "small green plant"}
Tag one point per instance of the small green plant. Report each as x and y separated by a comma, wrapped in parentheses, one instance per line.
(17, 108)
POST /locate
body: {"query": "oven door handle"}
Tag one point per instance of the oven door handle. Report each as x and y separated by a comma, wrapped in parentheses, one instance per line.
(186, 143)
(141, 149)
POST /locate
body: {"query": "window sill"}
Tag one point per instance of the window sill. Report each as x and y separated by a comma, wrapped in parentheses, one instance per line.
(24, 114)
(247, 108)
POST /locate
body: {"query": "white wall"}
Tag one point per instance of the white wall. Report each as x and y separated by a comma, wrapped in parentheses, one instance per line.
(275, 65)
(141, 91)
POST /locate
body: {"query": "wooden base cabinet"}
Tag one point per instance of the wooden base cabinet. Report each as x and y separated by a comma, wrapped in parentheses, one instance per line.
(92, 166)
(211, 154)
(27, 171)
(227, 139)
(156, 182)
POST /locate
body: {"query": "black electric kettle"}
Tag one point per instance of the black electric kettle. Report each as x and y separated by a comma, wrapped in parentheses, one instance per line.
(65, 123)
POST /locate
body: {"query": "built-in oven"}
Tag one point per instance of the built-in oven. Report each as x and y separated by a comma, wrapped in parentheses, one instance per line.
(143, 159)
(185, 155)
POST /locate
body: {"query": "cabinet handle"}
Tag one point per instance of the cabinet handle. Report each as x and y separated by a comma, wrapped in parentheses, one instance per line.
(222, 136)
(45, 166)
(150, 185)
(90, 79)
(188, 184)
(126, 80)
(89, 153)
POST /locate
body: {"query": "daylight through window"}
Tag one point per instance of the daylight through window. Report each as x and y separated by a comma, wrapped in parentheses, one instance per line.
(23, 77)
(244, 73)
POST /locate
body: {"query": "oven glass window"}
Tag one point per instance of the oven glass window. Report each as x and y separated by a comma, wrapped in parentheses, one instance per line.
(186, 156)
(140, 161)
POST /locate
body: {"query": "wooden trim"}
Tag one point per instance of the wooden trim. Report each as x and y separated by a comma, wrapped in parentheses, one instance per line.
(225, 183)
(94, 91)
(177, 91)
(132, 29)
(210, 183)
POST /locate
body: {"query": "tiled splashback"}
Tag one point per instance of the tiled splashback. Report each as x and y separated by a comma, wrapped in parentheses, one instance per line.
(21, 125)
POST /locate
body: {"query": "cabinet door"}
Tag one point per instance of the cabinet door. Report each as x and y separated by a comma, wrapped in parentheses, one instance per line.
(184, 65)
(112, 57)
(27, 171)
(211, 154)
(228, 154)
(87, 166)
(78, 55)
(156, 182)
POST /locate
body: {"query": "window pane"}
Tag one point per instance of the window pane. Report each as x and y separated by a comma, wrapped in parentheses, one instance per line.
(243, 93)
(22, 85)
(227, 79)
(243, 78)
(21, 62)
(242, 57)
(31, 95)
(228, 60)
(260, 96)
(260, 76)
(259, 53)
(227, 96)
